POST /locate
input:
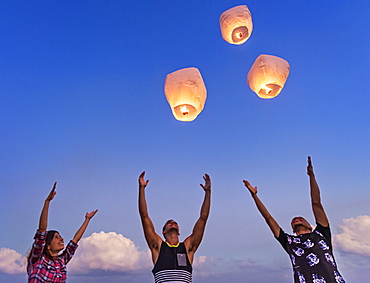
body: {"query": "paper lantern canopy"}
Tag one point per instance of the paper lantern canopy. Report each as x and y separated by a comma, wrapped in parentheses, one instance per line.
(268, 75)
(236, 25)
(186, 93)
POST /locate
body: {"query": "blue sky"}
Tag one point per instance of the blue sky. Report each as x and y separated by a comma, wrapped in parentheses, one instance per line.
(82, 103)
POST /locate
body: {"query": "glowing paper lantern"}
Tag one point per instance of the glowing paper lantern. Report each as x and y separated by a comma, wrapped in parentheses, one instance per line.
(186, 93)
(268, 75)
(236, 25)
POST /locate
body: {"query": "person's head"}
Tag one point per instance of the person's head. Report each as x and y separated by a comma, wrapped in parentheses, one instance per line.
(299, 223)
(169, 227)
(54, 243)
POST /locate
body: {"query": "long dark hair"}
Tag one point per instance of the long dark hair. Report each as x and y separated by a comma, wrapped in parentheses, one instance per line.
(49, 236)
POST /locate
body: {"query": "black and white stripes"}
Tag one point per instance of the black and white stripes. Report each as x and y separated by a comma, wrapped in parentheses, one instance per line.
(173, 275)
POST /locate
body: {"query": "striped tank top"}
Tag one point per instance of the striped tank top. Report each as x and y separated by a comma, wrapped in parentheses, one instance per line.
(172, 265)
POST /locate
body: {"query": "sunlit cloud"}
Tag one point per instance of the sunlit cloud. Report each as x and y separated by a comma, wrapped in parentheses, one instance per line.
(108, 251)
(11, 262)
(354, 236)
(99, 252)
(110, 254)
(202, 266)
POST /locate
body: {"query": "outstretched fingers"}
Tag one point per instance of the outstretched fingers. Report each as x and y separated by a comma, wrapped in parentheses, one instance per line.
(91, 214)
(142, 182)
(206, 178)
(252, 190)
(207, 185)
(52, 192)
(309, 166)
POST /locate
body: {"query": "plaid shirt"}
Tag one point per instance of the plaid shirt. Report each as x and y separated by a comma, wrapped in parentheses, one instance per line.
(41, 269)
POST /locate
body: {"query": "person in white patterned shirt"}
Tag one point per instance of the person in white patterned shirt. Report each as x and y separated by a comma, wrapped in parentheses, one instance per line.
(310, 250)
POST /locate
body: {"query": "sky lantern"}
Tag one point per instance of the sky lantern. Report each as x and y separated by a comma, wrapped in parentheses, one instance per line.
(236, 25)
(268, 75)
(186, 93)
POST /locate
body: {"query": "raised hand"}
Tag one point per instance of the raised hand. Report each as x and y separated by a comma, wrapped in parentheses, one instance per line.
(43, 222)
(271, 222)
(252, 190)
(52, 193)
(142, 182)
(309, 166)
(207, 185)
(77, 237)
(91, 214)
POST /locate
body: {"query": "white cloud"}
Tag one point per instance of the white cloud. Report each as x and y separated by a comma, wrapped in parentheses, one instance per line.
(100, 251)
(200, 261)
(109, 252)
(11, 262)
(202, 266)
(354, 236)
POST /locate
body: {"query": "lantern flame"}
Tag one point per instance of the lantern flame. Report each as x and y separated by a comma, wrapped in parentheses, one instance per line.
(268, 75)
(186, 93)
(266, 89)
(239, 35)
(184, 110)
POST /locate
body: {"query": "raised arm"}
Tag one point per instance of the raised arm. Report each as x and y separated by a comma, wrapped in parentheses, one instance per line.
(317, 208)
(77, 237)
(152, 238)
(43, 222)
(193, 241)
(271, 222)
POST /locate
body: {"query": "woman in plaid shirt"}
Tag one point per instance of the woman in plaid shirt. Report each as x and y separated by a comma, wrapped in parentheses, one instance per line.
(45, 264)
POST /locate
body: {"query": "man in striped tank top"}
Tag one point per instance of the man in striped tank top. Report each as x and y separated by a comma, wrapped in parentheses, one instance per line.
(172, 259)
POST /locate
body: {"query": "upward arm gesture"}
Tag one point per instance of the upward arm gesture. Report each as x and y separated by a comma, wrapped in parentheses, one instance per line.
(77, 237)
(43, 222)
(271, 222)
(193, 241)
(317, 208)
(152, 238)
